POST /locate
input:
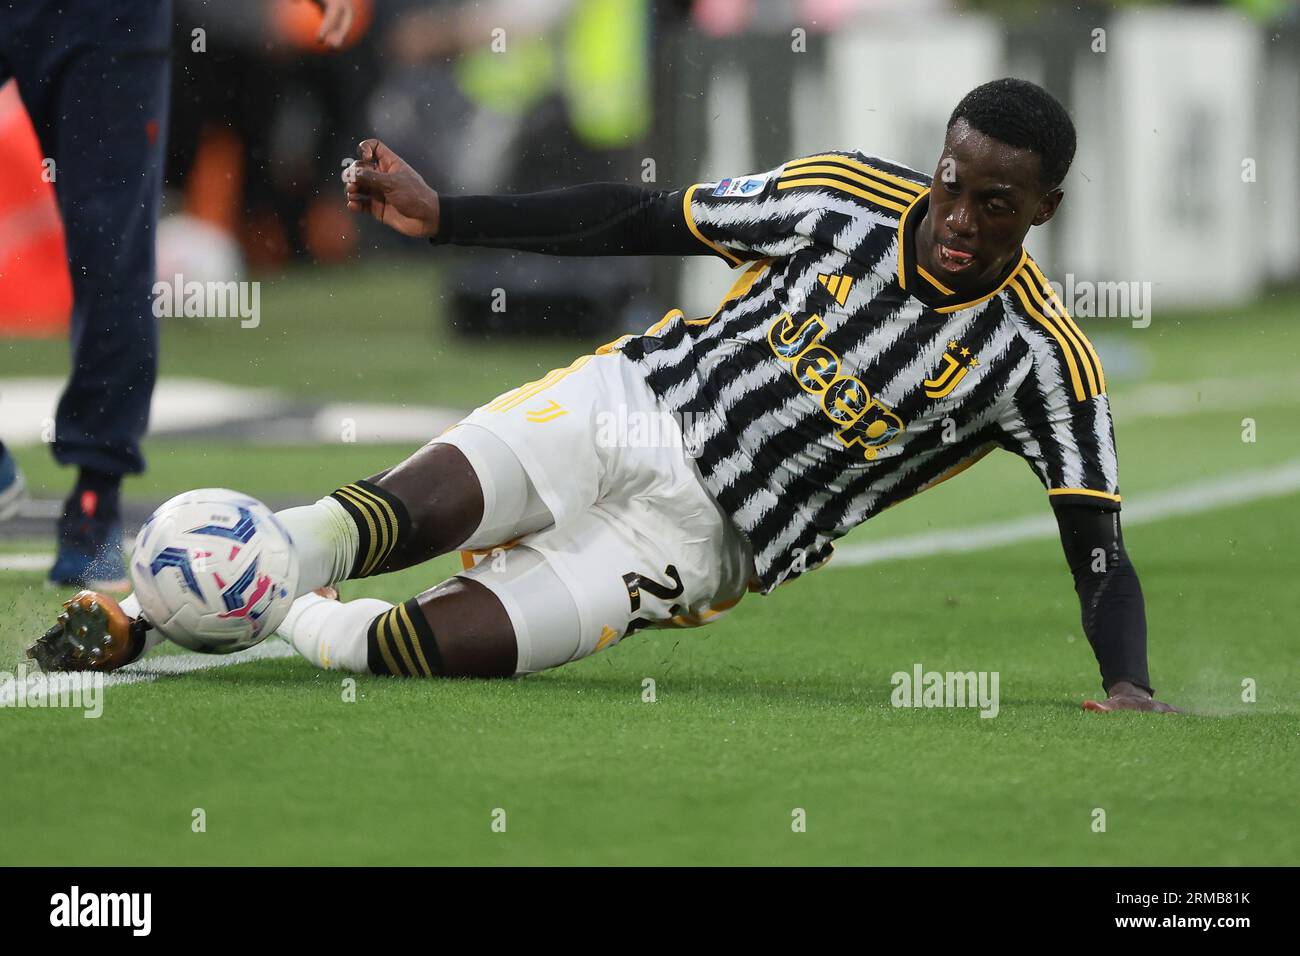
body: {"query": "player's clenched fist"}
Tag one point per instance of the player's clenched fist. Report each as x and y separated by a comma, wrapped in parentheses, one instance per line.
(380, 181)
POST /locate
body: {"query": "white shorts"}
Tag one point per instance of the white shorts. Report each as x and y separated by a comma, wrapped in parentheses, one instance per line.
(638, 540)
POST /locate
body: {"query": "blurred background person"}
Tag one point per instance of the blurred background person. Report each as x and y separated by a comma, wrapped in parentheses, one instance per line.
(94, 80)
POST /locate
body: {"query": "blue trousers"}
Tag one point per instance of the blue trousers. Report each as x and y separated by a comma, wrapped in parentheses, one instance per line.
(95, 78)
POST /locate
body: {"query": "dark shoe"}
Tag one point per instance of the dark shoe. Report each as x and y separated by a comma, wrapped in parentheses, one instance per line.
(90, 548)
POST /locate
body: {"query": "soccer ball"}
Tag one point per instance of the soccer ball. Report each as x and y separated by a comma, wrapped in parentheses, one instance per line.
(214, 571)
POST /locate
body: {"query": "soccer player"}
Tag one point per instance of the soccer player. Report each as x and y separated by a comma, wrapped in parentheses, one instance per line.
(888, 330)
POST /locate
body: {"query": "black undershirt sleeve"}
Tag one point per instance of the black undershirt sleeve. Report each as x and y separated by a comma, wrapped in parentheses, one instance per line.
(1110, 597)
(596, 219)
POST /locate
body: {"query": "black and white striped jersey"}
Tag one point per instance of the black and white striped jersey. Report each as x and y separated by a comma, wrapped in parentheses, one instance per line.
(837, 377)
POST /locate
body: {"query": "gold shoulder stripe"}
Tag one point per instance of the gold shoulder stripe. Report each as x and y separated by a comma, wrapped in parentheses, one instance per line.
(1050, 326)
(856, 172)
(844, 188)
(731, 257)
(913, 189)
(1066, 330)
(852, 176)
(1060, 309)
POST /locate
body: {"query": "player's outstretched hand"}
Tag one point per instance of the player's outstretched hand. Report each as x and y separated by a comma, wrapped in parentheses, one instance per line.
(382, 183)
(1126, 696)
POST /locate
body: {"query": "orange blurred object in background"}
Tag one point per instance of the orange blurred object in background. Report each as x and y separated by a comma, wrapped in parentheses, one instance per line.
(35, 288)
(298, 23)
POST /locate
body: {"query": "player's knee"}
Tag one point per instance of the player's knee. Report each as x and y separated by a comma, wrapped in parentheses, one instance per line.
(423, 507)
(479, 639)
(543, 615)
(441, 494)
(458, 629)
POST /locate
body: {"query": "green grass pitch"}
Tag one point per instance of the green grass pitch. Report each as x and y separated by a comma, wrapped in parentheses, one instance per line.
(783, 705)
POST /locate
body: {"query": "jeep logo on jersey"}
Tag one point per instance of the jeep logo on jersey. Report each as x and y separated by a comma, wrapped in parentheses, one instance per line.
(859, 418)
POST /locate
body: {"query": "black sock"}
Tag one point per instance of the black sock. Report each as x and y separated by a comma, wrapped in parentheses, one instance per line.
(400, 643)
(382, 524)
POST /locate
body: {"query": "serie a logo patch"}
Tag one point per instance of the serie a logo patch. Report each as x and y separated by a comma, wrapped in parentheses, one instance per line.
(741, 186)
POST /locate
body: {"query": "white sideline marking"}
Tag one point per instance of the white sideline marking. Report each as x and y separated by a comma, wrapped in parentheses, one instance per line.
(24, 561)
(1187, 500)
(182, 404)
(167, 665)
(376, 424)
(178, 404)
(1162, 400)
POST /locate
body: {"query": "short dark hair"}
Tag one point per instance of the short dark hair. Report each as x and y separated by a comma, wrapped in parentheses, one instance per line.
(1024, 115)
